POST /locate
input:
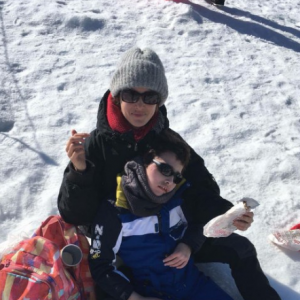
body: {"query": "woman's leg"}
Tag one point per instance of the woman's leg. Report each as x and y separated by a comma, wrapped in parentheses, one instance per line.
(240, 254)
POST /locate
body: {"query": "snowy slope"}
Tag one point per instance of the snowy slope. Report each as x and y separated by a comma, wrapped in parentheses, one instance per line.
(234, 82)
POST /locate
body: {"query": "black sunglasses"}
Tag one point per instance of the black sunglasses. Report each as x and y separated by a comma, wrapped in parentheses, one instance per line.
(167, 171)
(132, 96)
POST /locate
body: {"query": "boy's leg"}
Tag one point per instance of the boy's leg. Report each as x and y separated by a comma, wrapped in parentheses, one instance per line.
(208, 290)
(240, 254)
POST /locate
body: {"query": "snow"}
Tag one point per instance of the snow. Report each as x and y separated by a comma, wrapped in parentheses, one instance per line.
(234, 82)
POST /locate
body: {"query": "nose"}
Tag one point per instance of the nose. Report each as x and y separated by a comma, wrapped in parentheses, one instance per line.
(167, 181)
(139, 102)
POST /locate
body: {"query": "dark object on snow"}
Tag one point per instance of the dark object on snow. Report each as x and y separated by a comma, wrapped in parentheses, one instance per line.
(219, 2)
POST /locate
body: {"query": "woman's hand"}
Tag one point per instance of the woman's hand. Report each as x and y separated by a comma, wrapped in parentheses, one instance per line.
(244, 222)
(179, 258)
(75, 149)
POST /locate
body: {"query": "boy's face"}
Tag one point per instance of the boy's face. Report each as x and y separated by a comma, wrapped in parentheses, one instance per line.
(159, 183)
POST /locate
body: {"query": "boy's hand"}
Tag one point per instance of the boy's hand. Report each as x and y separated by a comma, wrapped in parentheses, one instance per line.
(75, 149)
(179, 258)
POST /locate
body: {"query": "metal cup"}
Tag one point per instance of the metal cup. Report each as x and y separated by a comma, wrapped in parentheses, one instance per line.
(71, 255)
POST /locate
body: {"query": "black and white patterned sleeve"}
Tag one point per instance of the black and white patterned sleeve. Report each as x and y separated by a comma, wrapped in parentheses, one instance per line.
(105, 243)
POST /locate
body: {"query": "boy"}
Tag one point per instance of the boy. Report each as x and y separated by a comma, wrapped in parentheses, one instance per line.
(147, 226)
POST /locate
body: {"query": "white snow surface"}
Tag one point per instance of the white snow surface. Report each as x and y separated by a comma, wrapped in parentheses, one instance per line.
(234, 92)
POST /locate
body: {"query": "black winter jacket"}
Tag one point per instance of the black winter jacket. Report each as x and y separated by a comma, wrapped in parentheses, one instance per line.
(107, 152)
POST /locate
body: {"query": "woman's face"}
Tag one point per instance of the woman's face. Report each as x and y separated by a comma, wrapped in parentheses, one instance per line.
(138, 114)
(158, 183)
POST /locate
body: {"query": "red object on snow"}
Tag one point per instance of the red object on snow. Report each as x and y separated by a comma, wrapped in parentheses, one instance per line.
(297, 226)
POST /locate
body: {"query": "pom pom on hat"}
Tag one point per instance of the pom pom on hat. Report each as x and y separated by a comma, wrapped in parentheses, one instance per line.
(140, 68)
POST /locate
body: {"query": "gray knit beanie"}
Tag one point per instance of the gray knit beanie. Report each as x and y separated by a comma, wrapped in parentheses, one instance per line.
(140, 68)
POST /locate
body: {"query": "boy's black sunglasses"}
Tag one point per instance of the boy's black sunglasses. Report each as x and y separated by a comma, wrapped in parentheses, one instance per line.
(167, 171)
(132, 96)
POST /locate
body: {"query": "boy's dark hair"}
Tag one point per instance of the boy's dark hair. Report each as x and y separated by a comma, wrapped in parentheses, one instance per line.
(169, 141)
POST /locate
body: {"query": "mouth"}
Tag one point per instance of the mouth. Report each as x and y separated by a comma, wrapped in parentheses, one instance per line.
(163, 189)
(138, 114)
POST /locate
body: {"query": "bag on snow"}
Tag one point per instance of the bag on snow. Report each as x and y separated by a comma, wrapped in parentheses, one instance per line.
(288, 239)
(34, 268)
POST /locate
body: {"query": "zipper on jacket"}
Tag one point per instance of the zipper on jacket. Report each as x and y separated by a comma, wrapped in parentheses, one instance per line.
(159, 223)
(134, 146)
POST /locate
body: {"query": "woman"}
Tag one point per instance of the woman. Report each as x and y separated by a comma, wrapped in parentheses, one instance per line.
(131, 116)
(147, 226)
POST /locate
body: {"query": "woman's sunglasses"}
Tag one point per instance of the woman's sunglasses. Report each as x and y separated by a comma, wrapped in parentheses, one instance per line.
(132, 96)
(167, 171)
